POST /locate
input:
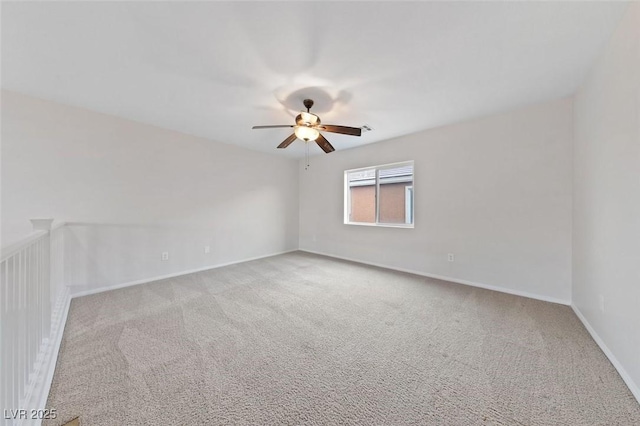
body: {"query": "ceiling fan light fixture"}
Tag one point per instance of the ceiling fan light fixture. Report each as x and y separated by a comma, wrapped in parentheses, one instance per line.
(306, 133)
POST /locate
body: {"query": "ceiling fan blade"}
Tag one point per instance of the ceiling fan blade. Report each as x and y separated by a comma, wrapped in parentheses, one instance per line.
(273, 127)
(285, 143)
(352, 131)
(324, 144)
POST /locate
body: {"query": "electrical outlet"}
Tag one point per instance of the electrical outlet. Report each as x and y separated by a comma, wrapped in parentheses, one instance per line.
(165, 255)
(450, 257)
(207, 249)
(601, 302)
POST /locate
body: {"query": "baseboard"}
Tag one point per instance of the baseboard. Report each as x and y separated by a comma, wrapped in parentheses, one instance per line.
(176, 274)
(633, 387)
(454, 280)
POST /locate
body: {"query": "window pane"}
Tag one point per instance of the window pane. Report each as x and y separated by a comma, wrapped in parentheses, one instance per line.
(362, 196)
(396, 195)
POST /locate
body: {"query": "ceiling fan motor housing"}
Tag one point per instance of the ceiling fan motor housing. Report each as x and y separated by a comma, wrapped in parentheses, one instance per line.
(307, 119)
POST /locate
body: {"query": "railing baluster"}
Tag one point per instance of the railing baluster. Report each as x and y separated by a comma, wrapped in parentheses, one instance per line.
(4, 364)
(48, 289)
(23, 324)
(20, 325)
(11, 335)
(16, 332)
(43, 278)
(36, 309)
(28, 289)
(25, 320)
(41, 284)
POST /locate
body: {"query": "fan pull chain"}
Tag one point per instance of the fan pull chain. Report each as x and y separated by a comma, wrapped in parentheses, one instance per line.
(306, 155)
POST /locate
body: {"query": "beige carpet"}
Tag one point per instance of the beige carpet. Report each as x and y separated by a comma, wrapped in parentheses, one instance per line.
(305, 339)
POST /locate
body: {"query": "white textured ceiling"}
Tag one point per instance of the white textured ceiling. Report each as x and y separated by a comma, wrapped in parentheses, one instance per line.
(215, 69)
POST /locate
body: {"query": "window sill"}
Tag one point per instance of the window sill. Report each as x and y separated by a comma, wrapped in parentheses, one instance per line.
(381, 225)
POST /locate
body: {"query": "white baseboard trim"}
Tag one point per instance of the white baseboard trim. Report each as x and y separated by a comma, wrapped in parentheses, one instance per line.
(176, 274)
(454, 280)
(633, 387)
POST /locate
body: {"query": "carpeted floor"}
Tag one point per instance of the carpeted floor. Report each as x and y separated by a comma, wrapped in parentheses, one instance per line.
(304, 339)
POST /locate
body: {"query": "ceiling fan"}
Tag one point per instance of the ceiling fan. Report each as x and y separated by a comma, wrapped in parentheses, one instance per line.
(308, 128)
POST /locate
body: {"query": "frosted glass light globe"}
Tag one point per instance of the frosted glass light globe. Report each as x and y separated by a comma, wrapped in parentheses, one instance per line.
(306, 133)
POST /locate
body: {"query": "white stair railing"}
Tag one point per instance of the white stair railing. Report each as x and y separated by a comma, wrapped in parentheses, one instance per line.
(29, 302)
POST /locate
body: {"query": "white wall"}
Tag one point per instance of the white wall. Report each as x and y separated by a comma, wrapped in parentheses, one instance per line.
(606, 224)
(99, 256)
(495, 191)
(143, 190)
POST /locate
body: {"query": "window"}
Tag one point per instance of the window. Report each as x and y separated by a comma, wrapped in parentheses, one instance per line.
(379, 195)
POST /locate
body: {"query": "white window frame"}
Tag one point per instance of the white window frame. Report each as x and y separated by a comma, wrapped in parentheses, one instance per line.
(408, 203)
(347, 198)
